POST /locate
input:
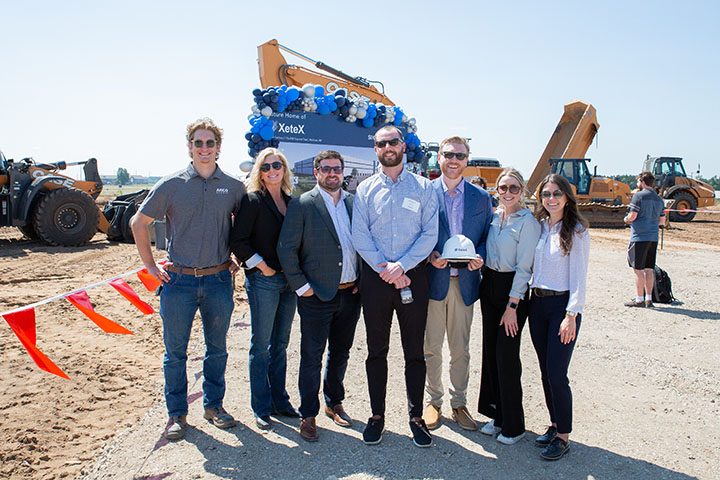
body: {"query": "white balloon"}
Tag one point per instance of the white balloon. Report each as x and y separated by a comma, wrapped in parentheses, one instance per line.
(353, 110)
(255, 109)
(412, 121)
(361, 113)
(309, 90)
(404, 119)
(267, 111)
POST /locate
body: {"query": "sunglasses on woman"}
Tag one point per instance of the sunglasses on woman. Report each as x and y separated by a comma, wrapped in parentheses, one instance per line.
(265, 167)
(503, 189)
(208, 144)
(549, 194)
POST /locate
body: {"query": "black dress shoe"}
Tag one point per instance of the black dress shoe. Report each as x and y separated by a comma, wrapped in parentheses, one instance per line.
(545, 439)
(289, 412)
(372, 435)
(555, 451)
(264, 422)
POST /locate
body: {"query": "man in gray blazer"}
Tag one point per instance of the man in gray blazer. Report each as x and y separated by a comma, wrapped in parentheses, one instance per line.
(317, 255)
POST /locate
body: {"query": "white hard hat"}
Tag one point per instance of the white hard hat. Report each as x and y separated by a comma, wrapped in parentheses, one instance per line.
(458, 247)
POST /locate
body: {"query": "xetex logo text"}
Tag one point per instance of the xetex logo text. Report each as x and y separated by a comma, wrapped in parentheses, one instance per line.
(283, 128)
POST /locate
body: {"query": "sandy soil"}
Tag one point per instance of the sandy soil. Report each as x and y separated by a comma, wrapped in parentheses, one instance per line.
(646, 384)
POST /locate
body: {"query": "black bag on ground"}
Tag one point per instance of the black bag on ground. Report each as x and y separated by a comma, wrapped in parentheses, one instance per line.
(119, 212)
(662, 291)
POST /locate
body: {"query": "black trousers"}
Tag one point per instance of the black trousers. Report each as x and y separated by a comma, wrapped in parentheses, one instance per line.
(500, 386)
(546, 315)
(379, 301)
(325, 323)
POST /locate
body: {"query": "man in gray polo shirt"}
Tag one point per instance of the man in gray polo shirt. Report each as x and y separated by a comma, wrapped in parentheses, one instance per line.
(197, 204)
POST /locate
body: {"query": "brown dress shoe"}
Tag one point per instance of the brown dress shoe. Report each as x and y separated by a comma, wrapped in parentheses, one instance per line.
(432, 417)
(338, 415)
(308, 430)
(463, 418)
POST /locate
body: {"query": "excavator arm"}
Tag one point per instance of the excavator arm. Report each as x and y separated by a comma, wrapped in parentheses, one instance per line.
(274, 70)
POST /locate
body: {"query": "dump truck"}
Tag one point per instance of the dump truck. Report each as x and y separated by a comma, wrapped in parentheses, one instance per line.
(602, 200)
(672, 183)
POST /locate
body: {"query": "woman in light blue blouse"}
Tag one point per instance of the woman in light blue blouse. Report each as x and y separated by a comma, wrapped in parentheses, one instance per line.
(557, 302)
(511, 243)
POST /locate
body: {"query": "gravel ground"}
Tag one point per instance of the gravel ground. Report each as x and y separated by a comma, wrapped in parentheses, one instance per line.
(646, 388)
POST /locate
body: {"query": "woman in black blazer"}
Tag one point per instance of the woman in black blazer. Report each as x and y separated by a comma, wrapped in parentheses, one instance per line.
(253, 240)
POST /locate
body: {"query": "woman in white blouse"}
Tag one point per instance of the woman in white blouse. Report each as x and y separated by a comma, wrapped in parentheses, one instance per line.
(556, 304)
(511, 243)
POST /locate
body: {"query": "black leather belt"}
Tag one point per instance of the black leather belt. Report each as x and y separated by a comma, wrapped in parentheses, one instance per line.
(542, 292)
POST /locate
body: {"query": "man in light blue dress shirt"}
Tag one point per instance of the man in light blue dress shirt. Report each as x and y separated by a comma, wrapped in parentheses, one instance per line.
(395, 227)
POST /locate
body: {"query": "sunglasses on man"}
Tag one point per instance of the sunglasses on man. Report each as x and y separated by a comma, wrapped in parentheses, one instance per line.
(200, 143)
(451, 155)
(393, 143)
(327, 169)
(503, 189)
(548, 194)
(265, 167)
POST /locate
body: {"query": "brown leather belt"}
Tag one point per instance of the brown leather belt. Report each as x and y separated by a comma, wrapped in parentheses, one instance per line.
(346, 285)
(542, 292)
(198, 272)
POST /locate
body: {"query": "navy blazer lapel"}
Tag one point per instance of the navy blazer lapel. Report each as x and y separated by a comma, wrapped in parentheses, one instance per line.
(444, 223)
(471, 199)
(319, 203)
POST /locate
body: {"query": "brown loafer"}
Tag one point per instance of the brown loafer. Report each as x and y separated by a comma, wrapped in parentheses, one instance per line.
(432, 416)
(338, 415)
(463, 418)
(308, 430)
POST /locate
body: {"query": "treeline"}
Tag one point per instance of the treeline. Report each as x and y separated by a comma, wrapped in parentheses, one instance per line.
(632, 180)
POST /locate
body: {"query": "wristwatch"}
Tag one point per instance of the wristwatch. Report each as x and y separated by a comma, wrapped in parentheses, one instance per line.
(571, 314)
(512, 305)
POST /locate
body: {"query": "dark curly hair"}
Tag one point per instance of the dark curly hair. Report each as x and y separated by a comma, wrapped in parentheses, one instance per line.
(571, 216)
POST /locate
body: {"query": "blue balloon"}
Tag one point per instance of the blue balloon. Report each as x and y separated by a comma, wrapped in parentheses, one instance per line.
(248, 136)
(367, 122)
(275, 142)
(293, 93)
(257, 92)
(266, 132)
(340, 92)
(340, 101)
(323, 109)
(319, 91)
(255, 138)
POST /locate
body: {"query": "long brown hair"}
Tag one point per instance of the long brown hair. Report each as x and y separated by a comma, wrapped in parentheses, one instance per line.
(571, 216)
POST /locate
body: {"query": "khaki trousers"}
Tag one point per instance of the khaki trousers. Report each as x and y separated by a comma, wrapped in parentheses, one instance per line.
(453, 317)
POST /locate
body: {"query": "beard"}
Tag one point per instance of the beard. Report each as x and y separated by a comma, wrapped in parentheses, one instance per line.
(331, 185)
(388, 161)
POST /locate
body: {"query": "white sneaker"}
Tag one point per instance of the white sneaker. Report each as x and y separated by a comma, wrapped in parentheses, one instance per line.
(509, 440)
(490, 429)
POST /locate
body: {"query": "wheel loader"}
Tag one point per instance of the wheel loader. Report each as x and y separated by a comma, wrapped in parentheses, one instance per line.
(48, 206)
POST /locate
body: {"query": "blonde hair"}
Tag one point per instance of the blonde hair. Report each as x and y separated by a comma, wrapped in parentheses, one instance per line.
(457, 141)
(204, 123)
(514, 174)
(255, 184)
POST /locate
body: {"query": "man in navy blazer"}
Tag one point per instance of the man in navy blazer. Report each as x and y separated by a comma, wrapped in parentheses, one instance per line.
(464, 209)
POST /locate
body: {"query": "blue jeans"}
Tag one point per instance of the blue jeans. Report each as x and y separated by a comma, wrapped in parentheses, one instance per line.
(180, 300)
(272, 308)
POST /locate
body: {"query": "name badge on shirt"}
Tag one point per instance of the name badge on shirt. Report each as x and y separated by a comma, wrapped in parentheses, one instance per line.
(410, 204)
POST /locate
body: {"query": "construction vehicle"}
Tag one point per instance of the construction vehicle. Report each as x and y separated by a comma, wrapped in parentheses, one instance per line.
(46, 205)
(603, 201)
(672, 183)
(274, 70)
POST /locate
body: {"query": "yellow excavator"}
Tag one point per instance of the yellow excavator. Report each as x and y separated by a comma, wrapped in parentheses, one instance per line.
(275, 70)
(603, 201)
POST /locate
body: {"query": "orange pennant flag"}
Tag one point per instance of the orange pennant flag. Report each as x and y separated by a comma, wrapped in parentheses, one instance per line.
(151, 283)
(126, 291)
(82, 302)
(22, 324)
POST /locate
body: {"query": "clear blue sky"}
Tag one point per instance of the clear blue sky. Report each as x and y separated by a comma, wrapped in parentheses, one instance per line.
(120, 80)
